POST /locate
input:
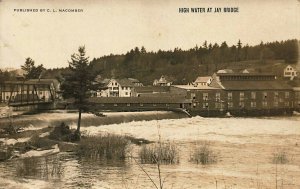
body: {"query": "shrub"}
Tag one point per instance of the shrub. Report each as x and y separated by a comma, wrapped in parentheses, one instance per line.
(203, 154)
(163, 153)
(108, 146)
(62, 133)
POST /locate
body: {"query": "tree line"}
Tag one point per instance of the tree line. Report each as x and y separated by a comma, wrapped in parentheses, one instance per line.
(182, 66)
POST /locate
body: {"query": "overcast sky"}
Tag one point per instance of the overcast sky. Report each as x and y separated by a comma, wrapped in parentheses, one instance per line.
(106, 27)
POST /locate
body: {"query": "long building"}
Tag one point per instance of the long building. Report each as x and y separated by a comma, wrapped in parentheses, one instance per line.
(245, 94)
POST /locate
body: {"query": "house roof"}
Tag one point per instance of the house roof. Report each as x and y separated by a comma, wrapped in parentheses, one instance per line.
(256, 85)
(203, 79)
(150, 100)
(225, 71)
(40, 83)
(192, 87)
(152, 89)
(134, 80)
(245, 74)
(34, 81)
(125, 82)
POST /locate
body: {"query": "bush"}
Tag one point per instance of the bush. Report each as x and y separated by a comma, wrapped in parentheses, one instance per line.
(107, 146)
(163, 153)
(204, 155)
(39, 142)
(63, 133)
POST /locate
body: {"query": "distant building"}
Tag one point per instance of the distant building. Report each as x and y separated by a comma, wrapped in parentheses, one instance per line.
(203, 81)
(290, 72)
(162, 81)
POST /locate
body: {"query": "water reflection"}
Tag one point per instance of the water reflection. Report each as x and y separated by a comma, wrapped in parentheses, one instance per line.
(49, 167)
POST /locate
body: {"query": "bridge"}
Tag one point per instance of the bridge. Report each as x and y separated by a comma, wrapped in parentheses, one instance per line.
(29, 92)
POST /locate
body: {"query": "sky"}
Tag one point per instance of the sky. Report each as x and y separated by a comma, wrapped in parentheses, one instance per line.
(116, 26)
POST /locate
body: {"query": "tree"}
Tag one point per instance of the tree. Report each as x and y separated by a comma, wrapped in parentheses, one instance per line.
(32, 71)
(239, 47)
(79, 83)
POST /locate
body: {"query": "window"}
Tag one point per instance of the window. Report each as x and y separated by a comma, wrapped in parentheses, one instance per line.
(205, 96)
(287, 95)
(167, 104)
(253, 95)
(126, 93)
(242, 96)
(230, 104)
(265, 95)
(276, 104)
(242, 104)
(128, 104)
(229, 96)
(253, 104)
(217, 105)
(193, 95)
(264, 104)
(286, 104)
(205, 105)
(276, 95)
(218, 97)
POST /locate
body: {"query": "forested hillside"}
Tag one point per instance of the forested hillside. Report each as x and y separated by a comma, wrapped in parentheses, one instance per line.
(185, 65)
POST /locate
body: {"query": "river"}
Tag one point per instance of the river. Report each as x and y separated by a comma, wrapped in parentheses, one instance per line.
(244, 148)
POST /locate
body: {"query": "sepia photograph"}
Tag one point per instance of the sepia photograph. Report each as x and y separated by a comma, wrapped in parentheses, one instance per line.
(134, 94)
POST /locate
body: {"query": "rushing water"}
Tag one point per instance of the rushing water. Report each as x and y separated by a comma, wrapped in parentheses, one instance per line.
(244, 148)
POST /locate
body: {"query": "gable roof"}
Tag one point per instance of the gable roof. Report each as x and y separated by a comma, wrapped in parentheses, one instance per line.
(203, 79)
(152, 89)
(146, 100)
(256, 85)
(125, 82)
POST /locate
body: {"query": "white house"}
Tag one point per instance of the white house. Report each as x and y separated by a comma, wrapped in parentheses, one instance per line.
(119, 88)
(162, 81)
(203, 81)
(290, 72)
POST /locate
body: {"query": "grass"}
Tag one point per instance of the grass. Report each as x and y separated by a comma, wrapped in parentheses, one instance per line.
(164, 153)
(280, 157)
(203, 154)
(106, 146)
